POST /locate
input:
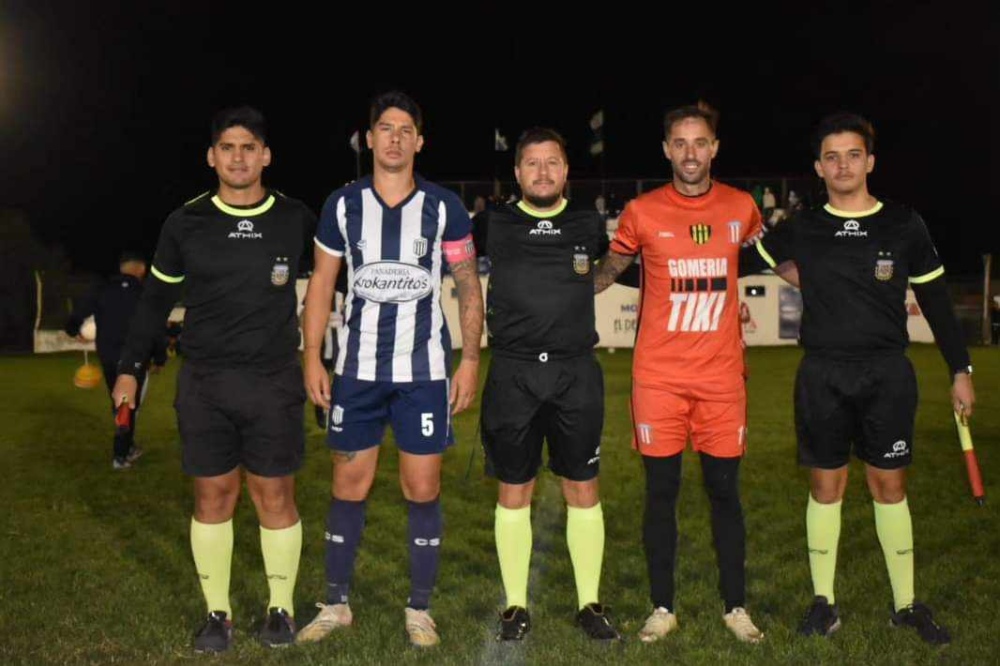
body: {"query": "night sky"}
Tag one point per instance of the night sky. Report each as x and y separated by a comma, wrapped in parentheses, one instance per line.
(104, 109)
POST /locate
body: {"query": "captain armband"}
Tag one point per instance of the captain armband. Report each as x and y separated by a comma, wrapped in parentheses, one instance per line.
(460, 250)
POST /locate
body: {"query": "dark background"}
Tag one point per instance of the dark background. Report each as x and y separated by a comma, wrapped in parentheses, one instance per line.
(104, 109)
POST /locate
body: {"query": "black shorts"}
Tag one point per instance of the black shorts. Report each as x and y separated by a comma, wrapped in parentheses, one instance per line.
(560, 401)
(241, 416)
(869, 405)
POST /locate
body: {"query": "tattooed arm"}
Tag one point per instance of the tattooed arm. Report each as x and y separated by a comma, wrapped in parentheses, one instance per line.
(470, 312)
(609, 268)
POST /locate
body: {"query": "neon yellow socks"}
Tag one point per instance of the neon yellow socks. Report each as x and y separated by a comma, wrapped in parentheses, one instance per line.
(585, 539)
(212, 548)
(895, 533)
(513, 536)
(282, 549)
(822, 537)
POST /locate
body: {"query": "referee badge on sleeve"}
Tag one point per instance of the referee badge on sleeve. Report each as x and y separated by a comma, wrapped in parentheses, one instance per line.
(279, 272)
(581, 261)
(883, 266)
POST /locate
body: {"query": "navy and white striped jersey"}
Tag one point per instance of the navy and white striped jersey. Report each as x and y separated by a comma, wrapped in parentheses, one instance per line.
(394, 329)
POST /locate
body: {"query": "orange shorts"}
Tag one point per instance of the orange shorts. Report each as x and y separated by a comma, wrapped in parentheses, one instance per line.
(663, 422)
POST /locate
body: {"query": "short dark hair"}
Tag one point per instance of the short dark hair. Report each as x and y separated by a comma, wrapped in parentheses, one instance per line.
(239, 116)
(130, 255)
(399, 100)
(840, 122)
(674, 116)
(534, 135)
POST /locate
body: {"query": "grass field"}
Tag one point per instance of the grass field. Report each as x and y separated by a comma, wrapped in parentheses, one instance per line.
(95, 565)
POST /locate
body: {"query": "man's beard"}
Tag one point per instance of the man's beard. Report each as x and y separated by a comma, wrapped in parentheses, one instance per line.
(542, 202)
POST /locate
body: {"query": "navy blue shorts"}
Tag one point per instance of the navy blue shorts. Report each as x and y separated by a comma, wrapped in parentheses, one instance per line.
(418, 413)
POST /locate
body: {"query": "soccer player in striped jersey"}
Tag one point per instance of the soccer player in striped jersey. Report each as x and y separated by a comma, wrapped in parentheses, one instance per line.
(392, 232)
(855, 389)
(688, 372)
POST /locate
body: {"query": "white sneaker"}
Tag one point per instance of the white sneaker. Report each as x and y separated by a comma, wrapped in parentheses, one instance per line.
(738, 621)
(330, 617)
(421, 629)
(658, 625)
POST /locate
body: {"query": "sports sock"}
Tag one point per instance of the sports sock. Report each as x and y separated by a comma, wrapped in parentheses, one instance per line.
(585, 540)
(512, 528)
(822, 537)
(659, 526)
(424, 534)
(345, 520)
(895, 532)
(721, 478)
(212, 548)
(281, 549)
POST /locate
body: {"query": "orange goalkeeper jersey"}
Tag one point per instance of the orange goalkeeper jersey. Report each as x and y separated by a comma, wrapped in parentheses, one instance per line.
(689, 330)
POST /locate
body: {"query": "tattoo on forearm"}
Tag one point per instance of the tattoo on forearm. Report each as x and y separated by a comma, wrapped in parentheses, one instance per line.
(470, 306)
(608, 270)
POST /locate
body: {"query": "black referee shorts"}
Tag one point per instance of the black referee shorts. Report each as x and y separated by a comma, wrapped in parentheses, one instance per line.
(525, 402)
(869, 405)
(241, 416)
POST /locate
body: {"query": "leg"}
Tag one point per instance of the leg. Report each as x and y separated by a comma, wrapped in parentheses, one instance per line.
(826, 492)
(512, 530)
(659, 526)
(895, 530)
(721, 478)
(353, 476)
(511, 435)
(585, 537)
(212, 536)
(420, 480)
(280, 535)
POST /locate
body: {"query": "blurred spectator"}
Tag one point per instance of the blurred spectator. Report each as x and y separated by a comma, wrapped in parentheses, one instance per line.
(768, 203)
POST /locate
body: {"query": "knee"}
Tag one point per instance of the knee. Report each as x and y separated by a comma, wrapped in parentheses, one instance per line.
(581, 494)
(215, 506)
(421, 490)
(273, 500)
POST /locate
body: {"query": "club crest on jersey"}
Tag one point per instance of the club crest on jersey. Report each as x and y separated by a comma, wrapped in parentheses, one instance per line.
(581, 261)
(419, 247)
(884, 266)
(734, 231)
(700, 233)
(279, 272)
(644, 433)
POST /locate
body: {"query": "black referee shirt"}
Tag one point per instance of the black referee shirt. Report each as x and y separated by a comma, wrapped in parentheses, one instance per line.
(854, 269)
(540, 297)
(237, 267)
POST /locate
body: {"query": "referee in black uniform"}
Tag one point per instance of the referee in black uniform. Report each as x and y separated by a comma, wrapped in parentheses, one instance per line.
(544, 382)
(112, 305)
(855, 388)
(235, 255)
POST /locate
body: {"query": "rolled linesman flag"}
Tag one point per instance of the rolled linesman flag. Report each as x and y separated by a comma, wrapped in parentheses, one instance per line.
(971, 463)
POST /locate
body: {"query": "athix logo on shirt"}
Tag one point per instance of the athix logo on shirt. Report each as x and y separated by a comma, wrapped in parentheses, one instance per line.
(392, 282)
(851, 228)
(699, 306)
(244, 229)
(898, 450)
(544, 228)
